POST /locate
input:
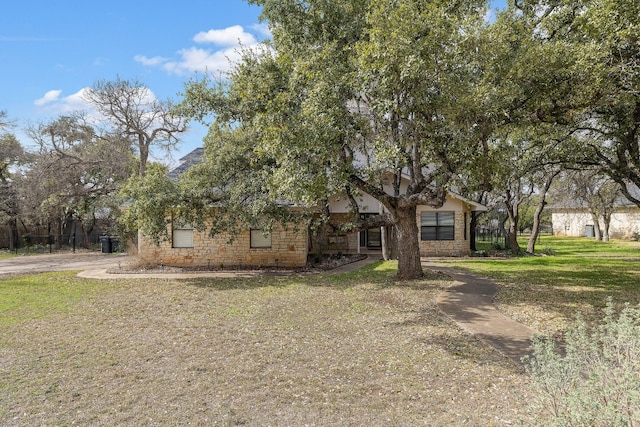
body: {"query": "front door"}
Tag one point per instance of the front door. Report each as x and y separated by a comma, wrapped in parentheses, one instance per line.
(371, 238)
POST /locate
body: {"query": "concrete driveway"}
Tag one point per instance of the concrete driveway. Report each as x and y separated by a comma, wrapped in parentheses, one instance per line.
(59, 262)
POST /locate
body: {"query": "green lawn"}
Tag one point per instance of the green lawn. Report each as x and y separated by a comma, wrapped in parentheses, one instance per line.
(36, 296)
(6, 254)
(546, 291)
(357, 345)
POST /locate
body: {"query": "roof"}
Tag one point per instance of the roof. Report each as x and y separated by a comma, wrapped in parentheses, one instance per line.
(475, 205)
(620, 202)
(191, 159)
(195, 157)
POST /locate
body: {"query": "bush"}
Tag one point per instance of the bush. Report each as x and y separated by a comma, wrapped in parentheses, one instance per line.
(596, 382)
(547, 251)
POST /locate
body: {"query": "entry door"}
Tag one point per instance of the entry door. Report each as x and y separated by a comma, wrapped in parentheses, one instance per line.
(589, 231)
(371, 238)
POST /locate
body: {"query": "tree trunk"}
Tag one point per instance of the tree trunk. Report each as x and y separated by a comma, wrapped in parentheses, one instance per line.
(512, 233)
(535, 229)
(386, 245)
(409, 266)
(389, 243)
(144, 155)
(512, 239)
(86, 231)
(472, 230)
(606, 222)
(596, 227)
(14, 236)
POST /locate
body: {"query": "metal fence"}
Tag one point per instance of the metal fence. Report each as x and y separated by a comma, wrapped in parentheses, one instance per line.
(50, 243)
(491, 235)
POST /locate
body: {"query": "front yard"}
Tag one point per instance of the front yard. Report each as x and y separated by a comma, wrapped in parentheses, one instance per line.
(351, 349)
(354, 349)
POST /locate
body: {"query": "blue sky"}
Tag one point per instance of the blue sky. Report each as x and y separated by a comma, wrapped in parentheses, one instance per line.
(51, 51)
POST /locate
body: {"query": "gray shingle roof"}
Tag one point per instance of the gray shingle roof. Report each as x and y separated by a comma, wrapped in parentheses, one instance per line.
(193, 158)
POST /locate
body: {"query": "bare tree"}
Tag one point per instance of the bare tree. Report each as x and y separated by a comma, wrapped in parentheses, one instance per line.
(3, 119)
(599, 194)
(132, 112)
(11, 153)
(75, 176)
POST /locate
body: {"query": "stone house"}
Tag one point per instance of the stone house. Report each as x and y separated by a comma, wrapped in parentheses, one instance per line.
(443, 232)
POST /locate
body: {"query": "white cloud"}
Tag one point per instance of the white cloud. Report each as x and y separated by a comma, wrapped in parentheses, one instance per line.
(199, 59)
(262, 29)
(202, 60)
(48, 97)
(76, 102)
(230, 36)
(56, 105)
(150, 62)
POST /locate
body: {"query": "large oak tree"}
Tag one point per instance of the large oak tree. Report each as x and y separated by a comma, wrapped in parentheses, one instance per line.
(350, 97)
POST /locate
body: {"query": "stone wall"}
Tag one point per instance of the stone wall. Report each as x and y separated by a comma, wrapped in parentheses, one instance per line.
(326, 242)
(458, 247)
(348, 243)
(289, 248)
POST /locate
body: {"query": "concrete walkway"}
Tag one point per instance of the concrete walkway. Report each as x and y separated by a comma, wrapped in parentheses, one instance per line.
(469, 303)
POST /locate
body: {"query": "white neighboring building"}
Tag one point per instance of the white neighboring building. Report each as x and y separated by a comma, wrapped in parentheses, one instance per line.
(576, 220)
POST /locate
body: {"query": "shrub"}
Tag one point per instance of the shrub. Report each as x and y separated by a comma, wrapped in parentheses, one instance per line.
(498, 246)
(548, 251)
(594, 379)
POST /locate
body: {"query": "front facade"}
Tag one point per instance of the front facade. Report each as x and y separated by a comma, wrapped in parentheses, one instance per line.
(442, 232)
(283, 247)
(446, 231)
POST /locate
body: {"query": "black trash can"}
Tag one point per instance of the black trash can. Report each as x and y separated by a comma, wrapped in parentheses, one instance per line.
(105, 244)
(115, 245)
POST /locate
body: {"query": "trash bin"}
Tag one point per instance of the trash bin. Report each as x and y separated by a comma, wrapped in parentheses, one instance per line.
(115, 244)
(105, 244)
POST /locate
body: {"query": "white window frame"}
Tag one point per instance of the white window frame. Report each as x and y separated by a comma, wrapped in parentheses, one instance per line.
(258, 239)
(182, 237)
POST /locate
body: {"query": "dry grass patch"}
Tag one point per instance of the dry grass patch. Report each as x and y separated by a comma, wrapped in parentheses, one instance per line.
(350, 350)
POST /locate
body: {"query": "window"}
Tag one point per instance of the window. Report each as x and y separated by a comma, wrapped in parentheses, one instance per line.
(259, 239)
(182, 236)
(437, 225)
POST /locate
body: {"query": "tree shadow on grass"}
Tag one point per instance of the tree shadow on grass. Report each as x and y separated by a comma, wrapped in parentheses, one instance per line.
(457, 343)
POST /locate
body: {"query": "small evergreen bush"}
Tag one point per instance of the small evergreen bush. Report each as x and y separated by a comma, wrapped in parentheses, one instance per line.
(594, 378)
